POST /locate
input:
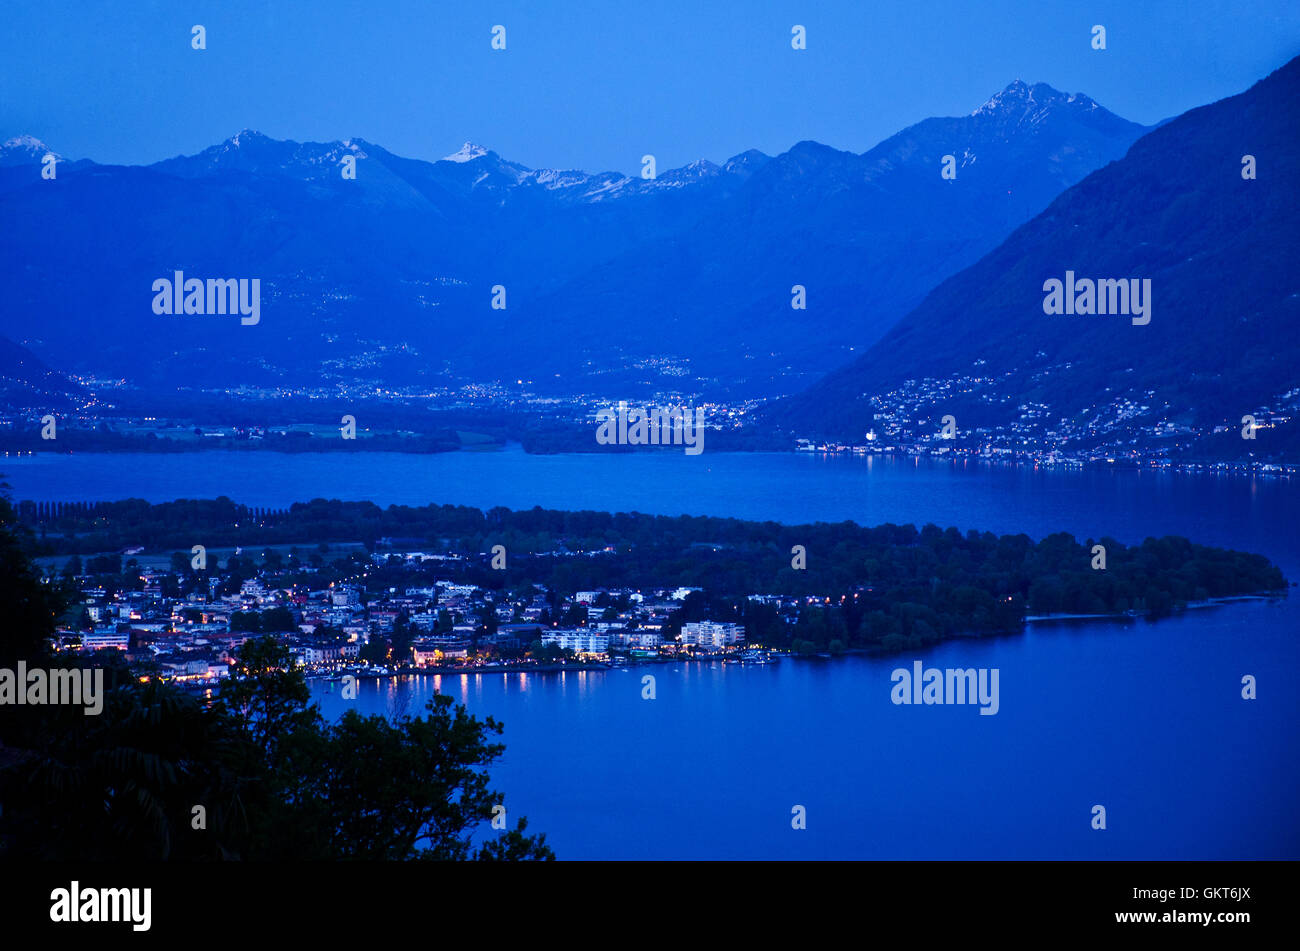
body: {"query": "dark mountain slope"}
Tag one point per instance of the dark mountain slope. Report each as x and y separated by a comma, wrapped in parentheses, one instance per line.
(1220, 252)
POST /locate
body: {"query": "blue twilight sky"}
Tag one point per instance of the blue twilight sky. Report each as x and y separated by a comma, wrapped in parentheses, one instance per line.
(595, 85)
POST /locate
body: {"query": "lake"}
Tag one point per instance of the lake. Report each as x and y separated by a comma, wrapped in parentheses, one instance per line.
(1143, 718)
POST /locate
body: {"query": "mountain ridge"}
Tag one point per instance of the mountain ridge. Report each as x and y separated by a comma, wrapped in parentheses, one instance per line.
(1176, 209)
(692, 269)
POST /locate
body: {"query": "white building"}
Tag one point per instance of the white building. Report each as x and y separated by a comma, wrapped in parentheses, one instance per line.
(580, 642)
(457, 590)
(345, 597)
(101, 639)
(712, 634)
(425, 620)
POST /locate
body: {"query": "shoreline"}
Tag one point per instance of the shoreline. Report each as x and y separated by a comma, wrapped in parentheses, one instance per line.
(1282, 469)
(775, 655)
(1138, 615)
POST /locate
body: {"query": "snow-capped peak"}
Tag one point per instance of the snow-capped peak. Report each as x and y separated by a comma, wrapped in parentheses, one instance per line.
(1022, 100)
(468, 152)
(696, 171)
(1016, 94)
(26, 143)
(553, 178)
(244, 137)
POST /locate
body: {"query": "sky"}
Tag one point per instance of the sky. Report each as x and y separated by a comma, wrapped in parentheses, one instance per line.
(596, 85)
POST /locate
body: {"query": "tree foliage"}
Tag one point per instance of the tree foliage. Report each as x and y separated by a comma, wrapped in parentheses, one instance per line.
(255, 774)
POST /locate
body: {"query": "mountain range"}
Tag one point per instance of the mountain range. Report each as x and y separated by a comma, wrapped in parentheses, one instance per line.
(1205, 208)
(679, 283)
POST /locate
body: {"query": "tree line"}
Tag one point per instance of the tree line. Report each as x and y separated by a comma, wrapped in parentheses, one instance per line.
(890, 587)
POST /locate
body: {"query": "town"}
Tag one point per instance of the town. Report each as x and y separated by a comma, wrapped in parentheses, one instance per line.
(186, 626)
(987, 420)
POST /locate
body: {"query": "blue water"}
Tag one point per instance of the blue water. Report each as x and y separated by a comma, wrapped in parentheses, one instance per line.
(1145, 719)
(787, 487)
